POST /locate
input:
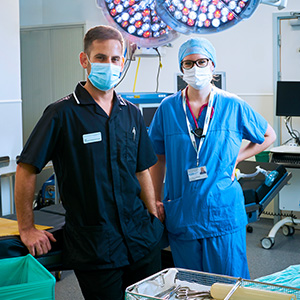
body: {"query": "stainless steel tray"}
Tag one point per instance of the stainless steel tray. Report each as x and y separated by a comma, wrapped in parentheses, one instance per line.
(207, 279)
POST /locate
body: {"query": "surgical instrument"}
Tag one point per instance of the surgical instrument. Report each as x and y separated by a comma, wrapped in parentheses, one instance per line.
(189, 294)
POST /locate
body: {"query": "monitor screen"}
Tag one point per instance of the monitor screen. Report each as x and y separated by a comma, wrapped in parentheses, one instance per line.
(146, 102)
(148, 110)
(288, 99)
(219, 81)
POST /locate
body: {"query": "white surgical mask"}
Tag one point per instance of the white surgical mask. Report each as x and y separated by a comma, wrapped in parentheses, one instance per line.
(198, 78)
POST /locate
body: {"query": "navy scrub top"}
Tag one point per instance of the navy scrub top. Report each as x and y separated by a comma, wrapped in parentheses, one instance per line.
(95, 158)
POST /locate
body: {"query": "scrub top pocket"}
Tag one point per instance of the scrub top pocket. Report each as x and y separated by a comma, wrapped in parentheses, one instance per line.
(131, 147)
(89, 244)
(148, 233)
(174, 216)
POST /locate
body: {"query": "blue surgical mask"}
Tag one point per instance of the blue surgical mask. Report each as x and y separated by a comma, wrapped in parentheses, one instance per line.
(104, 76)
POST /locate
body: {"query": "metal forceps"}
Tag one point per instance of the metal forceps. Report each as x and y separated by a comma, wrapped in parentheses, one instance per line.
(187, 294)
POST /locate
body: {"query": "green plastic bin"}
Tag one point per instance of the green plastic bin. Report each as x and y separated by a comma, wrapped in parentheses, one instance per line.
(25, 278)
(262, 156)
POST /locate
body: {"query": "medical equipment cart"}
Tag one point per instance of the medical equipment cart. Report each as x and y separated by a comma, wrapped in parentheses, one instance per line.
(258, 194)
(289, 198)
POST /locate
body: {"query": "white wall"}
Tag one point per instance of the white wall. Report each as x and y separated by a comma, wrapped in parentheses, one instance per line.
(10, 50)
(10, 87)
(10, 95)
(41, 12)
(244, 51)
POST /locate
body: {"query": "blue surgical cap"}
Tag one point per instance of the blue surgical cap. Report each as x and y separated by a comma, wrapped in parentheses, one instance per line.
(199, 46)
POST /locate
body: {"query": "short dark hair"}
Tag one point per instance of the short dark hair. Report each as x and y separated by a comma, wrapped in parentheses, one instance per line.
(102, 32)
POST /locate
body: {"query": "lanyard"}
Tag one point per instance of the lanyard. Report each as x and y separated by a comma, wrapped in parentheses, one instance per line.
(206, 122)
(201, 109)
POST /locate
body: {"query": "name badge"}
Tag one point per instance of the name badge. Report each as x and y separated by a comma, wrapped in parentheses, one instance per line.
(197, 173)
(92, 137)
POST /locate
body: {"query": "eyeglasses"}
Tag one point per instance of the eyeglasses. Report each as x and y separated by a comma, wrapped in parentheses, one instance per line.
(188, 64)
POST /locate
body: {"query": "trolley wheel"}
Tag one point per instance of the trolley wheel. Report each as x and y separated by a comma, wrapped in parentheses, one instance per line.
(58, 275)
(267, 242)
(288, 230)
(249, 229)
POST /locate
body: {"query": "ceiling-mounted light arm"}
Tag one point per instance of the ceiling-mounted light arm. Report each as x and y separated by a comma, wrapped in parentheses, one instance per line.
(281, 4)
(296, 21)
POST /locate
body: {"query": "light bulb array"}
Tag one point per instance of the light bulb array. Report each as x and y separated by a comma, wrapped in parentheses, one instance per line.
(151, 23)
(204, 16)
(139, 19)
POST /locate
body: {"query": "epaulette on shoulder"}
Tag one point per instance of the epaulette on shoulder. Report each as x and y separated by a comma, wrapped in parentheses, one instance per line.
(64, 98)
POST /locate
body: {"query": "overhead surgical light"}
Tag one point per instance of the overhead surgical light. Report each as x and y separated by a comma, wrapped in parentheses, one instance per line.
(149, 23)
(204, 16)
(138, 21)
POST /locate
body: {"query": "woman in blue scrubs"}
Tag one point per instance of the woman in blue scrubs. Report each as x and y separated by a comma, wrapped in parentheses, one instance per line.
(197, 135)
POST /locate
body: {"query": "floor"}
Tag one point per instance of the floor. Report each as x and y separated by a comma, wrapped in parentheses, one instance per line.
(284, 253)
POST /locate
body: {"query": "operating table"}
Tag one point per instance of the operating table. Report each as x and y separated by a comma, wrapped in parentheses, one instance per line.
(54, 216)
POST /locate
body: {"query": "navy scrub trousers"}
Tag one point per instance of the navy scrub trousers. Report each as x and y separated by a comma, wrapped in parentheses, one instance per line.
(110, 284)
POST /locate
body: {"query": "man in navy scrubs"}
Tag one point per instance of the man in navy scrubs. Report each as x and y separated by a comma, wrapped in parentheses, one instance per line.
(101, 155)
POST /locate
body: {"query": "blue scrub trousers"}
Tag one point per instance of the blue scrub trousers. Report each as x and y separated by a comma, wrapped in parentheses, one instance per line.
(224, 254)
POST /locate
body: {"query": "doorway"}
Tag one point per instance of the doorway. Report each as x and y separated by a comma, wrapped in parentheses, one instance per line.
(50, 68)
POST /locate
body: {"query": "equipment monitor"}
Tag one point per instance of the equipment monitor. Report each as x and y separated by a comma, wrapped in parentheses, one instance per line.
(146, 102)
(148, 110)
(288, 99)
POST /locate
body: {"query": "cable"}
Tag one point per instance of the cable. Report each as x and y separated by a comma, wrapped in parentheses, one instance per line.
(126, 65)
(136, 73)
(295, 131)
(290, 139)
(126, 68)
(291, 131)
(159, 67)
(268, 213)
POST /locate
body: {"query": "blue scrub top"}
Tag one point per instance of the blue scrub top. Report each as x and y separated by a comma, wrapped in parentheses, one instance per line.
(213, 206)
(96, 157)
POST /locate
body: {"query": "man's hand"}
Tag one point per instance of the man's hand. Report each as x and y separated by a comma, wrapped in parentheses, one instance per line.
(160, 210)
(37, 241)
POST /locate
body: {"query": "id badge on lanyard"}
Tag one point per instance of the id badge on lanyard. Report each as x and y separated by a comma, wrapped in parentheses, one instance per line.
(200, 172)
